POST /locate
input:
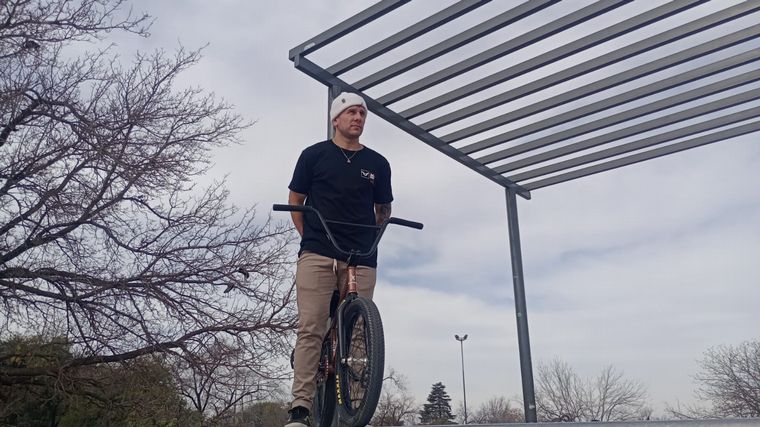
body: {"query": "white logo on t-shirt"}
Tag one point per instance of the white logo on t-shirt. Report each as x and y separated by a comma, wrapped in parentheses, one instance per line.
(368, 175)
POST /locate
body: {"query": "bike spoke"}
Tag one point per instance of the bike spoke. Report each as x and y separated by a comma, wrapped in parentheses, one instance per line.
(357, 364)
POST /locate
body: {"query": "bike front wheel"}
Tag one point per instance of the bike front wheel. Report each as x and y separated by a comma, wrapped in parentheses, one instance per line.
(360, 373)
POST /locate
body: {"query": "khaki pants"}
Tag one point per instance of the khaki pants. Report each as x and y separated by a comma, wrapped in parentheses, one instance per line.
(317, 277)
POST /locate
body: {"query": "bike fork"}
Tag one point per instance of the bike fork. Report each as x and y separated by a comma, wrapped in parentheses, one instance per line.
(351, 294)
(340, 346)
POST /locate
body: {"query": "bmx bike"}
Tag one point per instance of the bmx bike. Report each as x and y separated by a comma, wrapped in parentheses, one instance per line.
(351, 362)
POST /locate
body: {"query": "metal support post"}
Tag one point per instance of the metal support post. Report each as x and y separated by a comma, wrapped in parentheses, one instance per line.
(332, 92)
(526, 367)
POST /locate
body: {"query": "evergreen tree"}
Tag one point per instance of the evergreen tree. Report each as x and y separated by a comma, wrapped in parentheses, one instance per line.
(437, 410)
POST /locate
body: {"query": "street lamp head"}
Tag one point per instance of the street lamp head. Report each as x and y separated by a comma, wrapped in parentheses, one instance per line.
(460, 339)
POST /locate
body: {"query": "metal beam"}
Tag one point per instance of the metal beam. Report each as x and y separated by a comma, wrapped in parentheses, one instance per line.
(609, 82)
(360, 19)
(654, 107)
(635, 94)
(384, 112)
(461, 39)
(332, 92)
(618, 55)
(658, 152)
(647, 142)
(539, 61)
(434, 21)
(527, 39)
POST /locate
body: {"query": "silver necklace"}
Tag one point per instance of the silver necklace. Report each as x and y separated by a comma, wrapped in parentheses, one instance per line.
(348, 158)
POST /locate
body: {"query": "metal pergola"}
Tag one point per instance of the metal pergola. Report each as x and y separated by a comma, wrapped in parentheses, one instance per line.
(681, 74)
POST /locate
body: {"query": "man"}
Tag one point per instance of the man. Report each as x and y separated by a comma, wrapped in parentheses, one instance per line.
(346, 181)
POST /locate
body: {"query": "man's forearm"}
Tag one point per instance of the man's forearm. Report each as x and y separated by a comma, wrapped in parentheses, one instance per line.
(382, 212)
(297, 217)
(298, 221)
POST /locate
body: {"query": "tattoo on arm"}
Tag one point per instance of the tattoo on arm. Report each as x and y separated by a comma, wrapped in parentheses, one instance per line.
(382, 212)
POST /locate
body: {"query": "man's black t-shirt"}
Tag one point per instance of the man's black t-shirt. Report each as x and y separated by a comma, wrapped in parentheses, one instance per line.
(341, 191)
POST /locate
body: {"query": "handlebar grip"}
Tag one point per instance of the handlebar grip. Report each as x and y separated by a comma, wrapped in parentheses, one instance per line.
(291, 208)
(406, 223)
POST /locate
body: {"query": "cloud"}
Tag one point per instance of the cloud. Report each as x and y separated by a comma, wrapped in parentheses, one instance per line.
(419, 333)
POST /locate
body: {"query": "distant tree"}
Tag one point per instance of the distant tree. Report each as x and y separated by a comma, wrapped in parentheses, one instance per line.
(693, 411)
(266, 414)
(615, 398)
(561, 395)
(396, 406)
(140, 391)
(106, 239)
(497, 410)
(438, 409)
(219, 381)
(730, 379)
(263, 413)
(38, 403)
(728, 383)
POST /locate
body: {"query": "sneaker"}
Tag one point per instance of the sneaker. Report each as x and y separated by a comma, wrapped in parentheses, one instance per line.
(298, 417)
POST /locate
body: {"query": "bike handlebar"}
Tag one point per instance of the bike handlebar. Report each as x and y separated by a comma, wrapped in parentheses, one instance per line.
(292, 208)
(405, 223)
(349, 253)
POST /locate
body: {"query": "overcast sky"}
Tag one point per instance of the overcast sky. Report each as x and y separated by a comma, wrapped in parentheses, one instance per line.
(642, 268)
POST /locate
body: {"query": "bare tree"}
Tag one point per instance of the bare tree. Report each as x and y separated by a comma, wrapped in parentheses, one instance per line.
(496, 410)
(219, 381)
(560, 392)
(614, 398)
(682, 411)
(396, 406)
(728, 384)
(730, 379)
(563, 396)
(105, 237)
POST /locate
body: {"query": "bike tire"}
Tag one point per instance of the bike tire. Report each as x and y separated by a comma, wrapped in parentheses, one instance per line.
(323, 406)
(359, 380)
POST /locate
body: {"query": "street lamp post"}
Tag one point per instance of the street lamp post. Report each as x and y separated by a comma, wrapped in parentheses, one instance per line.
(464, 389)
